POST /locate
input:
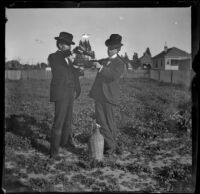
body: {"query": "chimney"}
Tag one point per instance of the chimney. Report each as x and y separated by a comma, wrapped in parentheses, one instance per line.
(165, 47)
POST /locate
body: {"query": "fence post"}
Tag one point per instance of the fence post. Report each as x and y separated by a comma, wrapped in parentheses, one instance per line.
(20, 74)
(171, 76)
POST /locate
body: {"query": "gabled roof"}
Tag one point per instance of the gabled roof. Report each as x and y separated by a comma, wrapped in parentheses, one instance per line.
(145, 56)
(172, 52)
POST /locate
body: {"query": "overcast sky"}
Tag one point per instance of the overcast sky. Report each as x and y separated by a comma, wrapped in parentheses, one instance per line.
(30, 32)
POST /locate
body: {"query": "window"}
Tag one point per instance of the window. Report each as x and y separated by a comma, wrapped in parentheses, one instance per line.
(168, 62)
(174, 62)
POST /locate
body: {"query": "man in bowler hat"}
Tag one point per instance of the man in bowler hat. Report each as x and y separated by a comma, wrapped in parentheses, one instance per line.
(64, 88)
(105, 92)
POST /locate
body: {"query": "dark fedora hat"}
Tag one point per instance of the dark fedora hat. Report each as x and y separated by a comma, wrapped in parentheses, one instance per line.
(65, 37)
(114, 41)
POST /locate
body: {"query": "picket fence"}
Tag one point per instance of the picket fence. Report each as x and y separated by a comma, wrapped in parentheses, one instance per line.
(27, 74)
(168, 76)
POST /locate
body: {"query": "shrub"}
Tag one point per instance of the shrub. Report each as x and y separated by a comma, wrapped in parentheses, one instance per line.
(183, 117)
(173, 173)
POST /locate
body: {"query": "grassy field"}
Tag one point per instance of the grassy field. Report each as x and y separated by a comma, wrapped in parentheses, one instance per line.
(154, 130)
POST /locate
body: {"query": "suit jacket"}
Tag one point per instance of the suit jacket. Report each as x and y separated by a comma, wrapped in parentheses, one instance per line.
(106, 84)
(64, 76)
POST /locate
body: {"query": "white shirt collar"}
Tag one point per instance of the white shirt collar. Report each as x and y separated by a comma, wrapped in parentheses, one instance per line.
(114, 56)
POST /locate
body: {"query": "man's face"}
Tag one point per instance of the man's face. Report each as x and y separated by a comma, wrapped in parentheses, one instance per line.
(111, 52)
(64, 47)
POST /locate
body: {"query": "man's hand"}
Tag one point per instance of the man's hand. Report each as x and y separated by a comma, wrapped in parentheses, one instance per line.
(97, 64)
(72, 57)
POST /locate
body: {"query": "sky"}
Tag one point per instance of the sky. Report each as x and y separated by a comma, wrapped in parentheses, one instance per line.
(30, 33)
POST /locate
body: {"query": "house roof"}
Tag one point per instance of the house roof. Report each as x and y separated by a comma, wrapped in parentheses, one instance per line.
(172, 52)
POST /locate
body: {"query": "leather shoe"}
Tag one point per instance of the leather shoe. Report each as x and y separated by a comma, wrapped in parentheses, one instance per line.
(55, 157)
(70, 146)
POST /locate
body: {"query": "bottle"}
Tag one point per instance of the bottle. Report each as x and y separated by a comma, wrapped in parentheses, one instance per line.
(96, 144)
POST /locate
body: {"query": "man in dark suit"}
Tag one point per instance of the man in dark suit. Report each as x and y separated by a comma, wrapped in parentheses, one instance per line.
(64, 88)
(105, 92)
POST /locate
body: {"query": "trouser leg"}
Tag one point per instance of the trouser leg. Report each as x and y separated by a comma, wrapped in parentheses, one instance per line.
(104, 129)
(109, 115)
(59, 118)
(67, 127)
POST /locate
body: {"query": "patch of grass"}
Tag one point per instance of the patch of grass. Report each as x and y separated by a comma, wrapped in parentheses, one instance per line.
(65, 167)
(17, 142)
(143, 116)
(40, 185)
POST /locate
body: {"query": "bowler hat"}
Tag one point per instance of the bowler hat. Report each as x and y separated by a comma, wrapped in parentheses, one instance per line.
(114, 41)
(65, 37)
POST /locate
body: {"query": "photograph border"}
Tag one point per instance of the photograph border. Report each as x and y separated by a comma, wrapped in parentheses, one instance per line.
(195, 28)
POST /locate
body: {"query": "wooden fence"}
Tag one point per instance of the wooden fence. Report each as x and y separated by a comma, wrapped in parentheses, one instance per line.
(169, 76)
(27, 74)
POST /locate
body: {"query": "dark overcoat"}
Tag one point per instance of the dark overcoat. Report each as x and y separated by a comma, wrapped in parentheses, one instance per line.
(106, 85)
(64, 76)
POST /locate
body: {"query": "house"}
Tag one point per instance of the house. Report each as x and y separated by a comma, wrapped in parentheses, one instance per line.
(129, 66)
(172, 59)
(146, 60)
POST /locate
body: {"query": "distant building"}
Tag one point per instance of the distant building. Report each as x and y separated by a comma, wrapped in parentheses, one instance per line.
(146, 60)
(129, 66)
(172, 59)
